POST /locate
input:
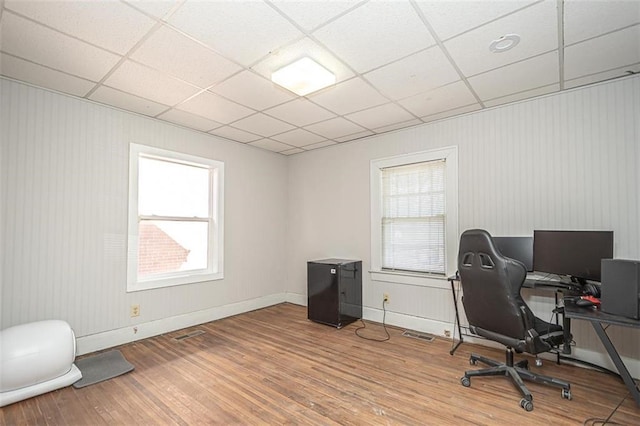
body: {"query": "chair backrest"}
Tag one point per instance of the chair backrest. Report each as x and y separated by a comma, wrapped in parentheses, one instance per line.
(491, 286)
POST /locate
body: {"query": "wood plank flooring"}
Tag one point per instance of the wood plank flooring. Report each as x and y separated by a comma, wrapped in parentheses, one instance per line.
(273, 366)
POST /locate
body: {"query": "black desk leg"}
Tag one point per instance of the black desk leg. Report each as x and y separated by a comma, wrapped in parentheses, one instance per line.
(615, 357)
(455, 305)
(566, 330)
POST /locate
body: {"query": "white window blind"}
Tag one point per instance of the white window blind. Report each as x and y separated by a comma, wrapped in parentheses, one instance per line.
(413, 217)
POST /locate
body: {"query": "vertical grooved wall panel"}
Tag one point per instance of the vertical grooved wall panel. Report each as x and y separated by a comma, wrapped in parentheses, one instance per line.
(570, 160)
(64, 182)
(565, 161)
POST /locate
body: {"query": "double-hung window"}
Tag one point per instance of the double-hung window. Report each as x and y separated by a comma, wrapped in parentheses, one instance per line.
(175, 218)
(414, 215)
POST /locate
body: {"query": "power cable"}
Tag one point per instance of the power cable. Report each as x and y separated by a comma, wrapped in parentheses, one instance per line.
(599, 421)
(384, 326)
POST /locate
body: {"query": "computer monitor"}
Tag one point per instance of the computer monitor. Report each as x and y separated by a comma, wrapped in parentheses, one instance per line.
(518, 248)
(573, 253)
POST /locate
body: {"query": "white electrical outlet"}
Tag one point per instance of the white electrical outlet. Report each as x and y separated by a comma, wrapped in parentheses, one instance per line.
(135, 311)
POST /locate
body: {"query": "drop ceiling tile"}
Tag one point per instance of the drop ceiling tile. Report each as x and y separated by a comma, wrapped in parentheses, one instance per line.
(305, 47)
(396, 126)
(242, 31)
(44, 77)
(536, 72)
(292, 151)
(189, 120)
(603, 53)
(262, 125)
(28, 40)
(185, 59)
(300, 112)
(536, 25)
(252, 90)
(350, 96)
(523, 95)
(298, 137)
(450, 18)
(215, 108)
(271, 145)
(310, 15)
(126, 101)
(111, 25)
(334, 128)
(442, 99)
(234, 134)
(393, 28)
(583, 20)
(150, 84)
(156, 8)
(607, 75)
(383, 115)
(417, 73)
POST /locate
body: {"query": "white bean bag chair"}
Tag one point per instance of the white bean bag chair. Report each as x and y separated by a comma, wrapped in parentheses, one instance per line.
(36, 358)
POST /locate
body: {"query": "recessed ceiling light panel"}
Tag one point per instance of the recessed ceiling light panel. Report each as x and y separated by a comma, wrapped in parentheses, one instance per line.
(504, 43)
(303, 76)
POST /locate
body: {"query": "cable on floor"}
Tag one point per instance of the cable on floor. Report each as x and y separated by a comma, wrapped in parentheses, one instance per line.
(384, 326)
(593, 421)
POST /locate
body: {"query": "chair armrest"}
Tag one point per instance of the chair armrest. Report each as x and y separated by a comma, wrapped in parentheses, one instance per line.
(533, 342)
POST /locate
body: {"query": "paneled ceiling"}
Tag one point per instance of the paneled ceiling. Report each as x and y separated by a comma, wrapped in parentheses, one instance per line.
(207, 65)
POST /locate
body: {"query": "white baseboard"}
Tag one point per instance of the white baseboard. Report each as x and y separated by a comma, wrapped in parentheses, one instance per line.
(424, 325)
(440, 328)
(602, 359)
(120, 336)
(109, 339)
(296, 298)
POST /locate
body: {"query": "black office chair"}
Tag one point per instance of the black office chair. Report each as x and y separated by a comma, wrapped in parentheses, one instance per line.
(495, 310)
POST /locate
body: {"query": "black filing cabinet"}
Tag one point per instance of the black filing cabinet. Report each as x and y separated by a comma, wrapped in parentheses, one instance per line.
(334, 291)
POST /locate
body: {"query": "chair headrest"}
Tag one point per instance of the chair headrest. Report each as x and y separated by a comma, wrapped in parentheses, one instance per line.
(478, 242)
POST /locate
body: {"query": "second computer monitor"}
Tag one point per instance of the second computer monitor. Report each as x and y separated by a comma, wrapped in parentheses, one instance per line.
(518, 248)
(577, 254)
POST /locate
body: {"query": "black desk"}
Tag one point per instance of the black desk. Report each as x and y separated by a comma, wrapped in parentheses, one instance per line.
(597, 318)
(555, 286)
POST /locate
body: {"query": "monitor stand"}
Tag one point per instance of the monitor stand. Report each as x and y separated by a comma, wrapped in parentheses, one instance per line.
(578, 280)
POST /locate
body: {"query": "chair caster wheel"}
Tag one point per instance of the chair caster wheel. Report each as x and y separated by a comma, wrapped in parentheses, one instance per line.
(466, 382)
(526, 404)
(566, 394)
(473, 361)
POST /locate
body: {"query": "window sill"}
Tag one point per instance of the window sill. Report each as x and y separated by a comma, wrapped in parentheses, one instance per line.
(172, 281)
(407, 278)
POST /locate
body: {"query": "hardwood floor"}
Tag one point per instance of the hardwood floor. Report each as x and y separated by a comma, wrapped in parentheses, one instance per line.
(273, 366)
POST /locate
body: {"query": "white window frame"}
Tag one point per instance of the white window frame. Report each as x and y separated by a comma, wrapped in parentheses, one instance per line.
(450, 156)
(215, 255)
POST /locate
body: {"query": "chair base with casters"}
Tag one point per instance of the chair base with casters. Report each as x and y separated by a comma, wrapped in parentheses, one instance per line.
(516, 372)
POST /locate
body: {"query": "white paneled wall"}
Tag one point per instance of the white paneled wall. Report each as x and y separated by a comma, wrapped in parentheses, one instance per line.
(64, 219)
(564, 161)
